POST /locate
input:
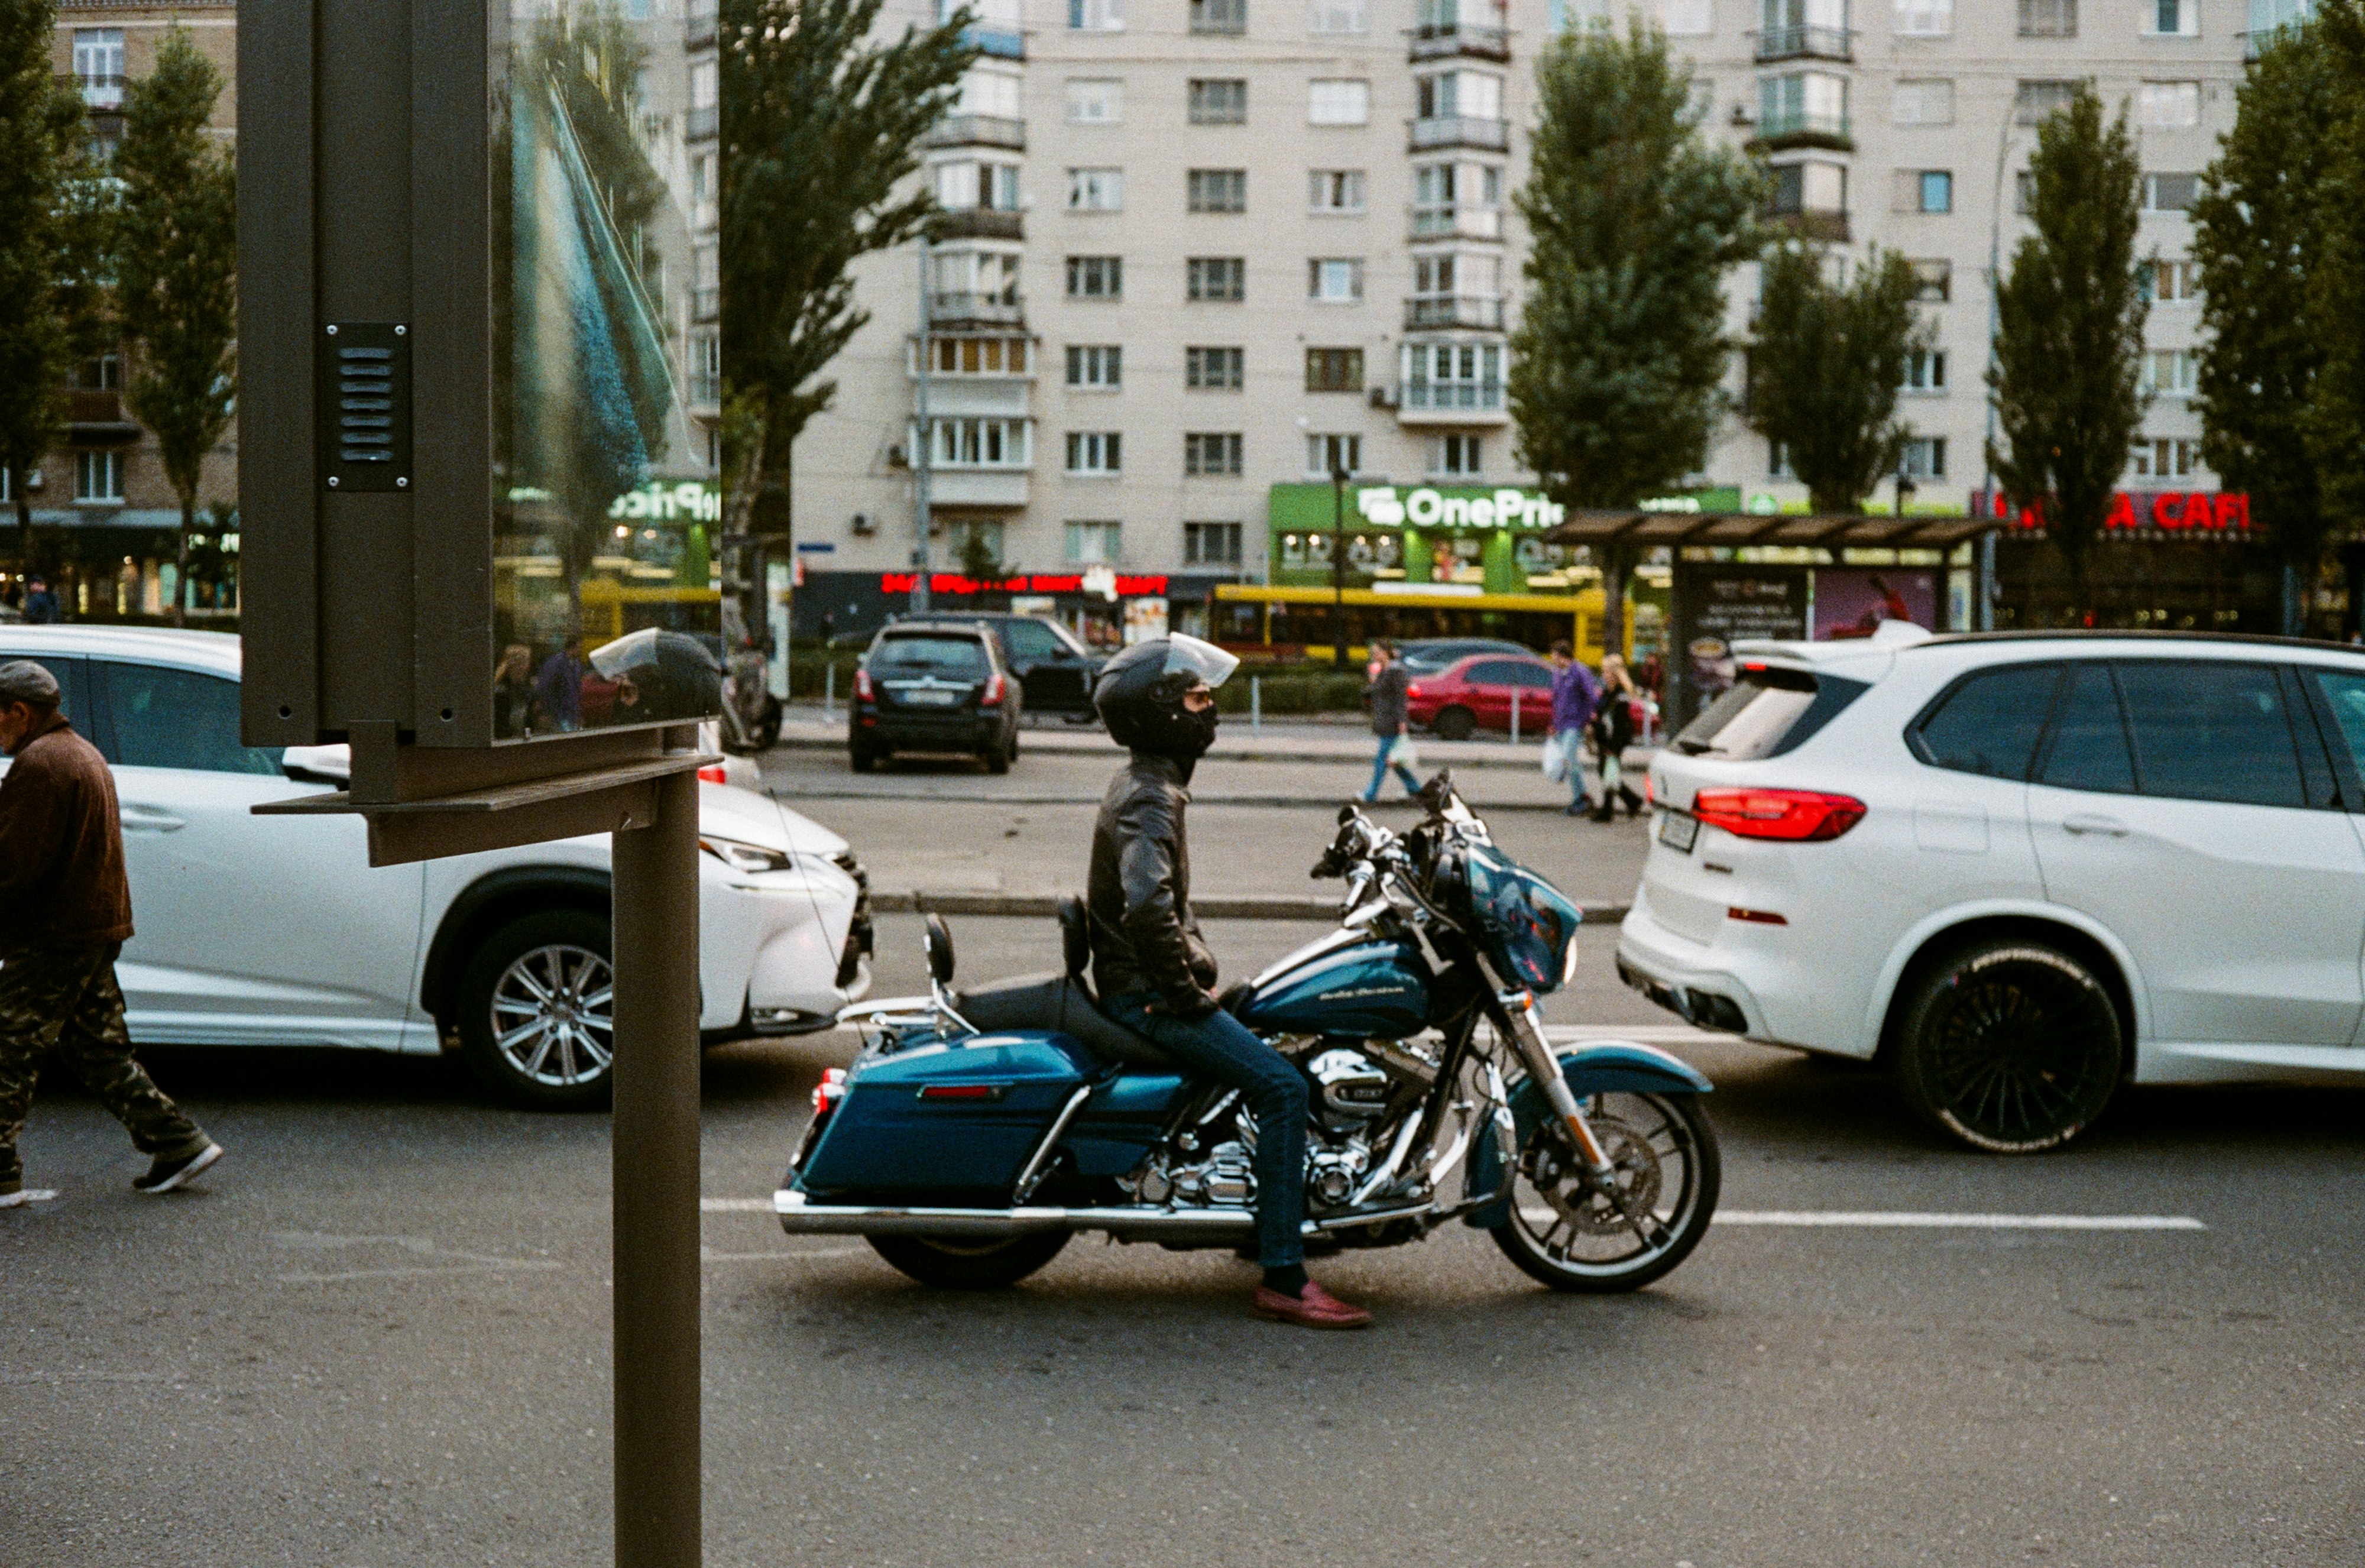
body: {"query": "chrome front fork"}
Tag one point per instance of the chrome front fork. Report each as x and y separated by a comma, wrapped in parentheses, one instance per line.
(1535, 1052)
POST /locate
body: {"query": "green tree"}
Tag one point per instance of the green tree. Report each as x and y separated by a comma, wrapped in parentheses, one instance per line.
(821, 127)
(2070, 320)
(2334, 302)
(1617, 363)
(176, 273)
(43, 176)
(1826, 368)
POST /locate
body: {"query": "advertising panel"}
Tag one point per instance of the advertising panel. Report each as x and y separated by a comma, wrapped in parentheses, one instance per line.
(1849, 602)
(1716, 606)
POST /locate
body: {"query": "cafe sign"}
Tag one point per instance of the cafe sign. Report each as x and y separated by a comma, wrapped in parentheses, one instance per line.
(2206, 514)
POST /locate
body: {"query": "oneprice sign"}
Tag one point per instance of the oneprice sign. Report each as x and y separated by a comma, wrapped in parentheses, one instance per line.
(692, 500)
(1383, 506)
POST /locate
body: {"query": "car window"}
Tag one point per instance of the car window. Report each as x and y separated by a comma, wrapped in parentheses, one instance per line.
(1766, 712)
(2212, 731)
(73, 698)
(1492, 672)
(923, 655)
(1989, 722)
(1534, 677)
(2089, 748)
(1031, 640)
(2345, 696)
(178, 718)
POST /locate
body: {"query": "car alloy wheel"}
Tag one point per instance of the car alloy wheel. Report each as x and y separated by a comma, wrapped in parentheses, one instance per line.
(554, 1015)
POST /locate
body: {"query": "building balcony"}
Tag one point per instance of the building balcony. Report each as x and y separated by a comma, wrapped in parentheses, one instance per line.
(99, 91)
(960, 308)
(705, 389)
(1462, 130)
(1442, 40)
(1003, 43)
(702, 125)
(1450, 402)
(977, 223)
(1805, 43)
(1794, 129)
(1003, 489)
(1457, 220)
(1480, 312)
(1825, 227)
(978, 130)
(706, 305)
(699, 28)
(95, 416)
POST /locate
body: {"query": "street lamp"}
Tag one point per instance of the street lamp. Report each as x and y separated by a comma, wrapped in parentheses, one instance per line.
(1339, 478)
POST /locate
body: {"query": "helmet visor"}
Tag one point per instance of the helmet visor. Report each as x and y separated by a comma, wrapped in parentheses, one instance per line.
(1204, 662)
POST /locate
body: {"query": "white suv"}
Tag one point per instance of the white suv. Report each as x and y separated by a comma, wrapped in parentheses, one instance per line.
(277, 931)
(2020, 869)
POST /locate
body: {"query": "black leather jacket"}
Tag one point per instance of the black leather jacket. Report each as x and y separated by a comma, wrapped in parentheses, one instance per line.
(1144, 936)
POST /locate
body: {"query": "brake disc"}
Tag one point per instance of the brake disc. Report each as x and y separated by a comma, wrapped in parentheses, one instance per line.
(1563, 1185)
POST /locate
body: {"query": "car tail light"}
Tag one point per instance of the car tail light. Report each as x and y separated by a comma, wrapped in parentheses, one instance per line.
(713, 774)
(1413, 690)
(862, 685)
(1804, 816)
(828, 1091)
(992, 697)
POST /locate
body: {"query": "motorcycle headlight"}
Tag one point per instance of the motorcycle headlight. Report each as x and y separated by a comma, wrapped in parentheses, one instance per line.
(750, 858)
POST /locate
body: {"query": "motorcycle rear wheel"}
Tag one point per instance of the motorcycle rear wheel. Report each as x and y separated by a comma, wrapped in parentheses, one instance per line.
(1573, 1239)
(960, 1264)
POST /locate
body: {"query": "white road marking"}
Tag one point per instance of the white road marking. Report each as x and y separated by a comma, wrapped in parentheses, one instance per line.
(710, 1256)
(735, 1206)
(418, 1246)
(1908, 1220)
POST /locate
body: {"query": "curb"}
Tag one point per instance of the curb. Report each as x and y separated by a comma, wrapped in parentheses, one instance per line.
(1044, 905)
(1319, 802)
(1035, 741)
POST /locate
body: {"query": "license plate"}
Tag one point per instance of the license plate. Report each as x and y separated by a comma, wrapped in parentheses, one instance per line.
(924, 698)
(1677, 831)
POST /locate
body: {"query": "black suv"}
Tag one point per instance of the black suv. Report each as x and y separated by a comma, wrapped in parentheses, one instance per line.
(934, 686)
(1056, 670)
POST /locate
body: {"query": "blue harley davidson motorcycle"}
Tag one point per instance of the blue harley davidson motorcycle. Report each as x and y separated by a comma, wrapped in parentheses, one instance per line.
(979, 1129)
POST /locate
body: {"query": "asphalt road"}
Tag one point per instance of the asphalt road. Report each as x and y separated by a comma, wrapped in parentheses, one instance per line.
(378, 1336)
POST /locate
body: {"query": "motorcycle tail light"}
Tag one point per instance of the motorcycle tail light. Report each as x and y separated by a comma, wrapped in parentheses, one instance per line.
(862, 685)
(992, 697)
(1798, 816)
(828, 1091)
(713, 774)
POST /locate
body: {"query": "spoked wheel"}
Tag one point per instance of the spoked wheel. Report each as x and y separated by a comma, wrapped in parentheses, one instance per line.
(2012, 1048)
(1574, 1236)
(537, 1010)
(969, 1263)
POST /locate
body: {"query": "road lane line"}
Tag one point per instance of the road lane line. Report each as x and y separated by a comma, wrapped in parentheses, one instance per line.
(708, 1255)
(735, 1206)
(1908, 1220)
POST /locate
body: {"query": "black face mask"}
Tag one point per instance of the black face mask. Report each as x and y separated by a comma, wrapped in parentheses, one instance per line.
(1197, 731)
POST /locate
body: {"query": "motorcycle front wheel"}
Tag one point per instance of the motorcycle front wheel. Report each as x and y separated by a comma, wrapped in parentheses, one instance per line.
(966, 1263)
(1572, 1236)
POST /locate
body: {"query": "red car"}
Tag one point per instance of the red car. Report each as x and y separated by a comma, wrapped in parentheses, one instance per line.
(1475, 694)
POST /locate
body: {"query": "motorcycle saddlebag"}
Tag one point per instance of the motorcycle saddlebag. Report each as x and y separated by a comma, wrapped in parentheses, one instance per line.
(959, 1118)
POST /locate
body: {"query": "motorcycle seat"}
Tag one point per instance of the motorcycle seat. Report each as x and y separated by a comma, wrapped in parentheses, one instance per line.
(1061, 1003)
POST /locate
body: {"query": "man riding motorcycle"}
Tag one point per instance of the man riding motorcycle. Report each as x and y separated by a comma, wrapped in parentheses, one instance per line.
(1151, 966)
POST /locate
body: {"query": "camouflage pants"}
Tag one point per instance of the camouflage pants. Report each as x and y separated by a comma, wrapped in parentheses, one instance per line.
(66, 998)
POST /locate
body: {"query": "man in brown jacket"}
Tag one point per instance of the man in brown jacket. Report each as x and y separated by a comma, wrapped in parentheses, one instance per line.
(65, 913)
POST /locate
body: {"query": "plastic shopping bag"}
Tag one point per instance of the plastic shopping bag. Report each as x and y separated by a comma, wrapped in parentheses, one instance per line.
(1558, 750)
(1401, 755)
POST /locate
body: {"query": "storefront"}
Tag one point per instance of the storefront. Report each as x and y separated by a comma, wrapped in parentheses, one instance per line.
(1107, 608)
(122, 565)
(2169, 560)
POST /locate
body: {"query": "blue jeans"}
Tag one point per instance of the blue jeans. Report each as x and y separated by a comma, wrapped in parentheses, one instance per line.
(1222, 1048)
(1380, 772)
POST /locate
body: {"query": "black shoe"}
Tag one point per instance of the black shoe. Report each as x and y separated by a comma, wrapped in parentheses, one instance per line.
(1605, 815)
(168, 1174)
(1573, 811)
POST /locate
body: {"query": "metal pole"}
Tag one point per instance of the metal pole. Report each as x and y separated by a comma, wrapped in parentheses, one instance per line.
(1515, 694)
(1256, 704)
(828, 683)
(1984, 584)
(924, 441)
(655, 1137)
(1338, 567)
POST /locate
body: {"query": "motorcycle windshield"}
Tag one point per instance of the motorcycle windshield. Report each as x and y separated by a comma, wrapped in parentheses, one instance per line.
(1528, 922)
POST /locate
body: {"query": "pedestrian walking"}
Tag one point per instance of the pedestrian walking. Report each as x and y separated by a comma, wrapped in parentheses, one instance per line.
(1574, 698)
(65, 913)
(40, 604)
(1612, 731)
(1387, 695)
(512, 692)
(558, 688)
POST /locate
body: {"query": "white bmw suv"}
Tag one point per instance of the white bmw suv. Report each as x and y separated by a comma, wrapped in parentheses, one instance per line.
(2020, 870)
(277, 931)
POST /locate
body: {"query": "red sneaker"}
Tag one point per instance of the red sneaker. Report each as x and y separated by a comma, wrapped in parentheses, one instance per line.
(1313, 1308)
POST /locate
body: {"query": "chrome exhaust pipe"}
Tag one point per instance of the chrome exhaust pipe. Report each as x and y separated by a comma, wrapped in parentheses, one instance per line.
(800, 1216)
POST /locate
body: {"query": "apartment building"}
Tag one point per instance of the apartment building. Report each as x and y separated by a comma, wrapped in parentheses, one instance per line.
(1201, 252)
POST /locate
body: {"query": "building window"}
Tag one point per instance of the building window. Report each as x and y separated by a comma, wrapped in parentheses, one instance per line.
(2172, 373)
(1334, 370)
(1095, 277)
(1335, 191)
(1096, 16)
(2033, 101)
(1095, 367)
(1339, 17)
(1453, 376)
(979, 356)
(1926, 101)
(1926, 370)
(1455, 456)
(1925, 190)
(967, 185)
(2168, 105)
(1095, 452)
(1457, 94)
(980, 443)
(1211, 544)
(99, 373)
(1335, 280)
(1096, 190)
(2165, 457)
(706, 283)
(1339, 101)
(1217, 190)
(1219, 101)
(2172, 19)
(1778, 462)
(2170, 192)
(1211, 454)
(1219, 16)
(98, 476)
(98, 63)
(1221, 278)
(1925, 457)
(989, 90)
(705, 189)
(1808, 187)
(1214, 369)
(1093, 543)
(705, 368)
(1096, 100)
(1933, 282)
(2173, 283)
(2049, 19)
(1924, 18)
(1329, 455)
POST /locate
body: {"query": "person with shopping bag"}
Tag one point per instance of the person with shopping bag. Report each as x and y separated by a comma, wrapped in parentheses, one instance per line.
(1386, 694)
(1574, 697)
(1612, 732)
